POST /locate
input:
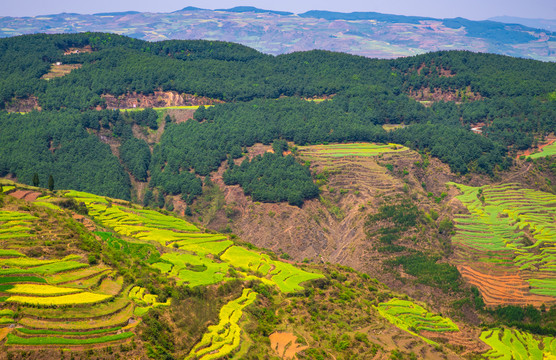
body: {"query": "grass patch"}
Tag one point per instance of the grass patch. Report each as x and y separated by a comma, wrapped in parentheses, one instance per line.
(47, 340)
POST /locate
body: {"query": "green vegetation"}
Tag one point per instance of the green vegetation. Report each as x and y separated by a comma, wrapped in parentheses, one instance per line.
(509, 344)
(251, 82)
(146, 301)
(136, 156)
(355, 149)
(223, 338)
(413, 318)
(47, 340)
(506, 219)
(549, 150)
(429, 271)
(273, 178)
(81, 160)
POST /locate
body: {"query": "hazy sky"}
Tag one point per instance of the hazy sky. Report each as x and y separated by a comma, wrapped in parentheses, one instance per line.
(471, 9)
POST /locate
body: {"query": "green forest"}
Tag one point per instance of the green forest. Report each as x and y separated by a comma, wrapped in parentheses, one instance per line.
(264, 100)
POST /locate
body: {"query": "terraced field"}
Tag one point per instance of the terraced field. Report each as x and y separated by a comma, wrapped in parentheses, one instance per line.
(356, 164)
(56, 298)
(353, 149)
(413, 318)
(223, 338)
(548, 150)
(145, 301)
(52, 301)
(190, 253)
(509, 344)
(507, 243)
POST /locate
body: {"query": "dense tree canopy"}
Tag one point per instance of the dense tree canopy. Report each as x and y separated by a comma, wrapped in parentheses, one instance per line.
(513, 98)
(273, 178)
(55, 143)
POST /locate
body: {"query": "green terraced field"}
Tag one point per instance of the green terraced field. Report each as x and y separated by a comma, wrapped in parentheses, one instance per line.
(195, 267)
(144, 301)
(84, 323)
(509, 344)
(53, 296)
(512, 222)
(14, 224)
(189, 255)
(192, 269)
(247, 260)
(549, 150)
(413, 318)
(286, 276)
(69, 333)
(355, 149)
(10, 253)
(223, 338)
(48, 340)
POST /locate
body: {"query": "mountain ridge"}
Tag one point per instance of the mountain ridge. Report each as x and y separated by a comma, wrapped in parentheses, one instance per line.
(368, 34)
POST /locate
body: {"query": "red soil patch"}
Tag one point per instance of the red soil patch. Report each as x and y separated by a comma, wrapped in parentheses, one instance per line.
(26, 195)
(424, 94)
(181, 115)
(158, 99)
(285, 345)
(528, 152)
(503, 288)
(23, 105)
(467, 338)
(441, 71)
(88, 223)
(4, 332)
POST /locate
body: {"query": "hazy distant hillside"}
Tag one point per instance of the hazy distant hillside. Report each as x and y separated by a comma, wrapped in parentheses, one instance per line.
(546, 24)
(361, 33)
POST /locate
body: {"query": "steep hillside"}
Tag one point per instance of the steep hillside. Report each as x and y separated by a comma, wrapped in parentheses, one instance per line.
(432, 174)
(121, 280)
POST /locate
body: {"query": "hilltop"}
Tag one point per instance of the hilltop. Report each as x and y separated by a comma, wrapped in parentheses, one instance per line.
(276, 32)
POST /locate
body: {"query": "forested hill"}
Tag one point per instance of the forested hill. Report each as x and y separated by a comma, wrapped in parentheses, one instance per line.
(368, 34)
(513, 99)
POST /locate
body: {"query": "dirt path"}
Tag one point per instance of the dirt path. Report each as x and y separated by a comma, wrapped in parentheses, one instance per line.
(528, 152)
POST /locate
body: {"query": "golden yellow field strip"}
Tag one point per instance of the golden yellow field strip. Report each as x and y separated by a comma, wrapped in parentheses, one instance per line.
(41, 290)
(73, 299)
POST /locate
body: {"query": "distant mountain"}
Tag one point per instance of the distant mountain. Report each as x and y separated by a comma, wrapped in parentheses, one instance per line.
(331, 15)
(547, 24)
(189, 8)
(122, 13)
(368, 34)
(244, 9)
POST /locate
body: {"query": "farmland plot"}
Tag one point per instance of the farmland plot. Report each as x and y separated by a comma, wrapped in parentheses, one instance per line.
(507, 241)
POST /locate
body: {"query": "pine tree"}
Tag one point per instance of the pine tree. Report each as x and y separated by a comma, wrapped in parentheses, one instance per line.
(50, 183)
(36, 179)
